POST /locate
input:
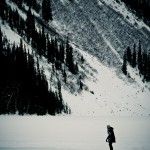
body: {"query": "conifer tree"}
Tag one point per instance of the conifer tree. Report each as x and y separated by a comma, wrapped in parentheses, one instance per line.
(124, 66)
(10, 19)
(2, 8)
(69, 57)
(145, 64)
(134, 57)
(64, 75)
(49, 54)
(1, 43)
(129, 55)
(60, 105)
(1, 58)
(140, 63)
(46, 10)
(148, 65)
(62, 52)
(43, 42)
(30, 25)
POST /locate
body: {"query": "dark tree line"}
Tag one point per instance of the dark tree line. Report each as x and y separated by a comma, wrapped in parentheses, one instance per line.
(46, 7)
(2, 9)
(31, 3)
(23, 85)
(56, 52)
(139, 59)
(23, 95)
(140, 7)
(12, 17)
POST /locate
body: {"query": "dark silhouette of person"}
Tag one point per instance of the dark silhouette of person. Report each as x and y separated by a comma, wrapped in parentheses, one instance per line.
(111, 136)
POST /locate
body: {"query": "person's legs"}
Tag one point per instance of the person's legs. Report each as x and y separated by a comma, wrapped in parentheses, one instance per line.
(110, 146)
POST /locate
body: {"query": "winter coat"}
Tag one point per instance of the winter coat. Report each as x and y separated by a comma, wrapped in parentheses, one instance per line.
(111, 135)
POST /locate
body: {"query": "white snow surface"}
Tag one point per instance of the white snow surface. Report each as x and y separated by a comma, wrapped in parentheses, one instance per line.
(72, 133)
(109, 94)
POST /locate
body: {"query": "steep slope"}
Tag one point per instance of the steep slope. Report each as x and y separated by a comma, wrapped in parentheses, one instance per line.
(100, 34)
(89, 23)
(109, 94)
(105, 29)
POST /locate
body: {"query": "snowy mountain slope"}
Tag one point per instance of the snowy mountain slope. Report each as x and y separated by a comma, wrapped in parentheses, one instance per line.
(104, 93)
(12, 36)
(108, 94)
(87, 22)
(125, 12)
(96, 28)
(105, 29)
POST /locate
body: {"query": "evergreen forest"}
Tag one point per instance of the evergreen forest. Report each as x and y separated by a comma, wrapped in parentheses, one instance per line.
(138, 59)
(24, 88)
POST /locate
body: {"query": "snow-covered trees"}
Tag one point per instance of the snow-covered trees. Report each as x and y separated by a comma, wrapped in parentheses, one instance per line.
(69, 59)
(124, 66)
(129, 58)
(139, 59)
(134, 57)
(24, 87)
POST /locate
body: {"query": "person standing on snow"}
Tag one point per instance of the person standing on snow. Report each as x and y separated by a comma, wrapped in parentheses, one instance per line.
(111, 136)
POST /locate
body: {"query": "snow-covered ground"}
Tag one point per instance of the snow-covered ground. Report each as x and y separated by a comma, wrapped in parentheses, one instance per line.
(106, 96)
(104, 92)
(109, 94)
(72, 133)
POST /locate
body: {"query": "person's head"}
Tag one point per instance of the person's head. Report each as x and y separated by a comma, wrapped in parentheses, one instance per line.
(108, 126)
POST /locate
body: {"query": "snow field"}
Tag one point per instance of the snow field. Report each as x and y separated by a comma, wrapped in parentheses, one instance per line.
(72, 133)
(108, 94)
